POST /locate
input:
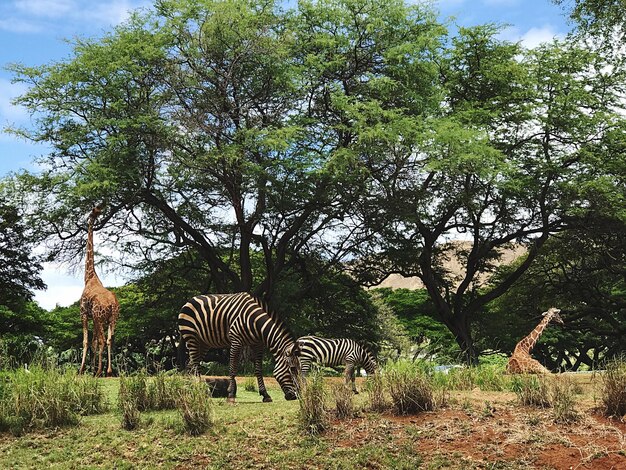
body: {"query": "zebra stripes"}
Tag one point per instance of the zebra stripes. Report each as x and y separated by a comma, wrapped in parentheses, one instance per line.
(333, 352)
(234, 321)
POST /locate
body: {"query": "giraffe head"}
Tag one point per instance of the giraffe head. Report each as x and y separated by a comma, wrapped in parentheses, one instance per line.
(553, 315)
(96, 211)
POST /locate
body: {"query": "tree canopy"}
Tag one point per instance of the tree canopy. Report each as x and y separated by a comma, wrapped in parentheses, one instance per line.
(278, 147)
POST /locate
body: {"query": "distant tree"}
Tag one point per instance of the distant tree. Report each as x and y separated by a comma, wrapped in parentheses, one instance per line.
(582, 272)
(512, 157)
(19, 268)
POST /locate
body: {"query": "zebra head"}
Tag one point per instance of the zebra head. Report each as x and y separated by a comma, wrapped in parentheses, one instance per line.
(368, 362)
(283, 372)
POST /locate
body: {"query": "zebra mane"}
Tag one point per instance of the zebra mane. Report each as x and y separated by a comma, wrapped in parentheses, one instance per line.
(264, 304)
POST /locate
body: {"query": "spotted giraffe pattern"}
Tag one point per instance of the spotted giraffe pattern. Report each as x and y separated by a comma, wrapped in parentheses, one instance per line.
(521, 362)
(99, 304)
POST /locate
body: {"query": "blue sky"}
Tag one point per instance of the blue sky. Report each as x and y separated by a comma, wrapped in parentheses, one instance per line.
(34, 32)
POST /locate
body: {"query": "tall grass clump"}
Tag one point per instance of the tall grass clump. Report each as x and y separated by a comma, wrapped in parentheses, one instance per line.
(249, 385)
(312, 416)
(162, 391)
(563, 400)
(343, 396)
(377, 398)
(613, 391)
(46, 398)
(410, 388)
(195, 407)
(131, 399)
(532, 390)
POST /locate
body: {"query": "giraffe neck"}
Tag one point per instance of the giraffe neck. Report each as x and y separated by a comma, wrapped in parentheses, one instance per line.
(529, 342)
(90, 271)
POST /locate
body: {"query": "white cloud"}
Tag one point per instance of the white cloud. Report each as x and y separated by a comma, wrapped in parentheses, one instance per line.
(536, 36)
(46, 8)
(501, 3)
(9, 113)
(63, 288)
(34, 16)
(16, 25)
(532, 37)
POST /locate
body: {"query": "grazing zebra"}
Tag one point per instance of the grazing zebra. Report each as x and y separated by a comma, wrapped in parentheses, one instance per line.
(333, 352)
(234, 321)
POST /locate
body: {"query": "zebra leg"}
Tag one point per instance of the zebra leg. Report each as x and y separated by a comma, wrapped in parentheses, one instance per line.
(196, 353)
(258, 372)
(235, 352)
(350, 376)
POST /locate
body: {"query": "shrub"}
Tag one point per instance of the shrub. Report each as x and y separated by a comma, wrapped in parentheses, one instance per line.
(614, 388)
(563, 400)
(343, 398)
(532, 390)
(410, 389)
(312, 415)
(195, 407)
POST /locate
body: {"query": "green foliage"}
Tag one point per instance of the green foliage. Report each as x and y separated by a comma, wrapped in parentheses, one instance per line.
(564, 400)
(21, 269)
(376, 393)
(417, 315)
(326, 302)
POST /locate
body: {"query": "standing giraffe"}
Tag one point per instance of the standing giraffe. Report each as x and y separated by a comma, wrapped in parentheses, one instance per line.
(521, 362)
(99, 303)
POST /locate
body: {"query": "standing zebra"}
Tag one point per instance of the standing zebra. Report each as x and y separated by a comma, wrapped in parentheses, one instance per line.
(234, 321)
(333, 352)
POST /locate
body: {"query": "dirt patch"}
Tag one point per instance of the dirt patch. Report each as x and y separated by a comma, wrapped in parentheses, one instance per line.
(490, 430)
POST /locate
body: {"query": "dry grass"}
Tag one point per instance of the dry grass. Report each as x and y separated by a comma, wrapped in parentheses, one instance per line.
(343, 396)
(614, 389)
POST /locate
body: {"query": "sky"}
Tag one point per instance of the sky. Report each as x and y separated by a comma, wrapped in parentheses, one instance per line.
(36, 32)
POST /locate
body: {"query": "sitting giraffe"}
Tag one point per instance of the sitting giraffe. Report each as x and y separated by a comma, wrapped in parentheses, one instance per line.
(521, 362)
(99, 303)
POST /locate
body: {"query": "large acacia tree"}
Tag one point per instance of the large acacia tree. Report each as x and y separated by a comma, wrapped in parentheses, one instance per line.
(218, 127)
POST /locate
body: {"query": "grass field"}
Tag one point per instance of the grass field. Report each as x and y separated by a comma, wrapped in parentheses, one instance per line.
(474, 429)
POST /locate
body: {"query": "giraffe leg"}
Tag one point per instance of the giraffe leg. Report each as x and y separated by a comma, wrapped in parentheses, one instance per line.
(258, 372)
(85, 321)
(235, 352)
(109, 343)
(99, 333)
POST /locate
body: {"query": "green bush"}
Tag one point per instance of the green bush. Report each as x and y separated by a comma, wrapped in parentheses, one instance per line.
(163, 390)
(250, 384)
